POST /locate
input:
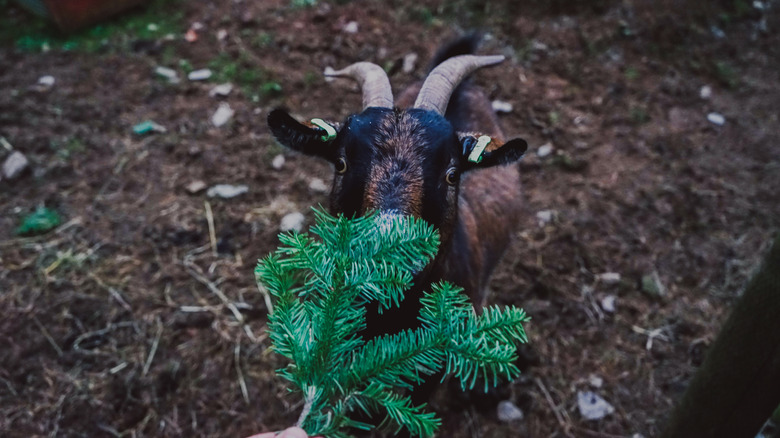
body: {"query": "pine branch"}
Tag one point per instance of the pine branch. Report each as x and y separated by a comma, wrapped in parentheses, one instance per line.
(321, 286)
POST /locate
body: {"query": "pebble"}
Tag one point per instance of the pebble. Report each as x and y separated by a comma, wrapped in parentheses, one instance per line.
(46, 81)
(410, 62)
(195, 187)
(651, 285)
(592, 406)
(221, 90)
(608, 303)
(595, 381)
(226, 191)
(508, 412)
(317, 185)
(222, 115)
(14, 165)
(278, 162)
(502, 107)
(716, 119)
(199, 75)
(167, 73)
(351, 27)
(545, 217)
(609, 277)
(292, 222)
(544, 150)
(222, 34)
(705, 92)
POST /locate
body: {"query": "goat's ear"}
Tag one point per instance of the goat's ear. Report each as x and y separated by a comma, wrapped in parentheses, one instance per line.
(315, 138)
(480, 151)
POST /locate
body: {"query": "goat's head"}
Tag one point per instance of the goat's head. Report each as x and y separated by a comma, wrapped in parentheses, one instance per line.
(395, 161)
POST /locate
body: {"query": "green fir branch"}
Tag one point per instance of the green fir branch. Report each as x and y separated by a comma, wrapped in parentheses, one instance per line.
(321, 284)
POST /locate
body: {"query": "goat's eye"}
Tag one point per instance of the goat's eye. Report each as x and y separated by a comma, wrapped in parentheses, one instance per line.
(341, 165)
(452, 176)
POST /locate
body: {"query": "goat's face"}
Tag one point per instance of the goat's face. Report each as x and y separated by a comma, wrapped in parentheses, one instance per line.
(406, 162)
(399, 162)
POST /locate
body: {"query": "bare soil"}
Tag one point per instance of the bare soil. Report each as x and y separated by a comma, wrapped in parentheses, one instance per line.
(119, 322)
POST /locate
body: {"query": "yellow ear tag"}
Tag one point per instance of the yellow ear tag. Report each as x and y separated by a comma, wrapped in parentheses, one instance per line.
(476, 154)
(330, 132)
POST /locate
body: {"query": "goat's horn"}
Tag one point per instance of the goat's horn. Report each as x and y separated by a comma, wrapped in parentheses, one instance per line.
(441, 82)
(373, 81)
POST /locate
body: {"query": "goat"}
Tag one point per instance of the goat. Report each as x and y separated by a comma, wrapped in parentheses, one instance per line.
(408, 159)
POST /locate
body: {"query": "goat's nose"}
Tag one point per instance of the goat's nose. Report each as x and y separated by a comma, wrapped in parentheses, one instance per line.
(386, 219)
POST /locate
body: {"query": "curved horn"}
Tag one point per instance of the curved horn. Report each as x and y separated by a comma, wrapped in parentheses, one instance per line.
(373, 81)
(441, 82)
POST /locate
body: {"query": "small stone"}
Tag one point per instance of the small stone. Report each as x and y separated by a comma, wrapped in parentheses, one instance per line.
(318, 186)
(14, 165)
(191, 36)
(278, 162)
(351, 27)
(199, 75)
(152, 27)
(609, 277)
(226, 191)
(410, 62)
(194, 151)
(292, 222)
(167, 73)
(608, 303)
(593, 407)
(221, 90)
(222, 115)
(716, 119)
(46, 81)
(222, 34)
(595, 381)
(652, 286)
(508, 412)
(501, 107)
(544, 150)
(328, 72)
(197, 26)
(195, 187)
(705, 92)
(545, 217)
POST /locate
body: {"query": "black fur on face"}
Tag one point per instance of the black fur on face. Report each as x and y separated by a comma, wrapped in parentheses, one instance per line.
(399, 161)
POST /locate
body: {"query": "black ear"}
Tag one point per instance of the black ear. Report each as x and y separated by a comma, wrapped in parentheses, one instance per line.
(480, 151)
(310, 139)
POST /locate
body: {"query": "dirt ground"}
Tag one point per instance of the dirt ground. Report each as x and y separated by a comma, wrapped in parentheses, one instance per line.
(119, 322)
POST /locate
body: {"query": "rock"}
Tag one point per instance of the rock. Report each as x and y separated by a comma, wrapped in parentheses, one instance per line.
(508, 412)
(167, 73)
(318, 186)
(278, 162)
(14, 165)
(222, 115)
(593, 407)
(46, 81)
(609, 277)
(410, 62)
(351, 27)
(545, 217)
(652, 286)
(196, 187)
(544, 150)
(502, 107)
(222, 34)
(705, 92)
(292, 222)
(221, 90)
(199, 75)
(608, 303)
(595, 381)
(226, 191)
(716, 119)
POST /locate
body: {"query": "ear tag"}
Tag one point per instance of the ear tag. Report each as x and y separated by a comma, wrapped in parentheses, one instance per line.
(476, 154)
(330, 132)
